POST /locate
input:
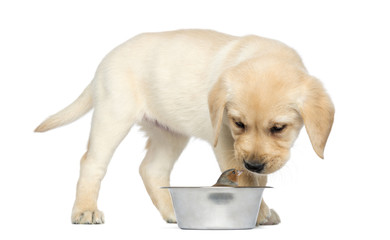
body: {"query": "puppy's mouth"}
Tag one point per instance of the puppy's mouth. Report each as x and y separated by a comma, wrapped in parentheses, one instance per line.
(254, 167)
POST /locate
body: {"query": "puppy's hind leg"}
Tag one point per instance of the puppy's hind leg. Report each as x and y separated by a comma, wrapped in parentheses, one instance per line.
(112, 119)
(163, 149)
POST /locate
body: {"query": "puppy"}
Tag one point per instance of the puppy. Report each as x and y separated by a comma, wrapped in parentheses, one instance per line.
(247, 96)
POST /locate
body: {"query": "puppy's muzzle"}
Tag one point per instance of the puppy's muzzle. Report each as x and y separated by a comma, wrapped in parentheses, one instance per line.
(254, 167)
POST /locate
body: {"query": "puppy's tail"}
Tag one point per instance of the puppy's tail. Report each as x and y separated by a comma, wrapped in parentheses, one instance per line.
(69, 114)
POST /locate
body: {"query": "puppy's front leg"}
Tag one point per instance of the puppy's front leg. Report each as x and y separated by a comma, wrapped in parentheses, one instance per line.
(224, 152)
(164, 148)
(266, 216)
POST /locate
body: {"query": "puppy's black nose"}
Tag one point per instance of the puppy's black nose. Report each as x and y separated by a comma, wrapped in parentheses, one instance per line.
(254, 167)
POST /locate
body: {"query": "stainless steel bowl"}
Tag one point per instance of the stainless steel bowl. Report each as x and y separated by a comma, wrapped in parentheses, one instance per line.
(216, 207)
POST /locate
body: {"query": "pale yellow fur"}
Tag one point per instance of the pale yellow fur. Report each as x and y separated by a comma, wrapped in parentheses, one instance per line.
(196, 83)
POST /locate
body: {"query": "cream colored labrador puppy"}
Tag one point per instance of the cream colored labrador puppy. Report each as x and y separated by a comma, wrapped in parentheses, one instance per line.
(247, 96)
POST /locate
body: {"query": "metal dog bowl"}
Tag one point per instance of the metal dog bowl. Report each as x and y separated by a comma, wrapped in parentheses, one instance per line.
(216, 207)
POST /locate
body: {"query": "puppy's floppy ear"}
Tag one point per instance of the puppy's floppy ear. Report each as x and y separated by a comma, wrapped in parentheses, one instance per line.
(217, 103)
(317, 111)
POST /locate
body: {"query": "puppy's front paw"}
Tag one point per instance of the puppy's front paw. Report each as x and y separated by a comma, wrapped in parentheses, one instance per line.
(170, 218)
(88, 217)
(272, 218)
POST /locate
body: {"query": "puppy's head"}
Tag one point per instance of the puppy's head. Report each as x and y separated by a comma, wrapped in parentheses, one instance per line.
(265, 106)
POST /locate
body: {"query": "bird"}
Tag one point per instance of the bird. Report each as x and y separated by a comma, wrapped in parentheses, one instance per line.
(228, 178)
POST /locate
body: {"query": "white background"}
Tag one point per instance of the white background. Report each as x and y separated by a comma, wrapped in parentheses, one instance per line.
(49, 51)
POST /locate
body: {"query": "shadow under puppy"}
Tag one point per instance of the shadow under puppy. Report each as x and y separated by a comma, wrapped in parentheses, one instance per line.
(247, 96)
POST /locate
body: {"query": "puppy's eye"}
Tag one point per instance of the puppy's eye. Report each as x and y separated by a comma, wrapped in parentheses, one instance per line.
(234, 172)
(240, 125)
(278, 128)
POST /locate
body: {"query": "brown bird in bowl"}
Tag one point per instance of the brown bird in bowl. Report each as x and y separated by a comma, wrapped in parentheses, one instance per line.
(228, 178)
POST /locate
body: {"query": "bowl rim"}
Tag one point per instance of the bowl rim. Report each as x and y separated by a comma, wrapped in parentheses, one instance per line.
(211, 187)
